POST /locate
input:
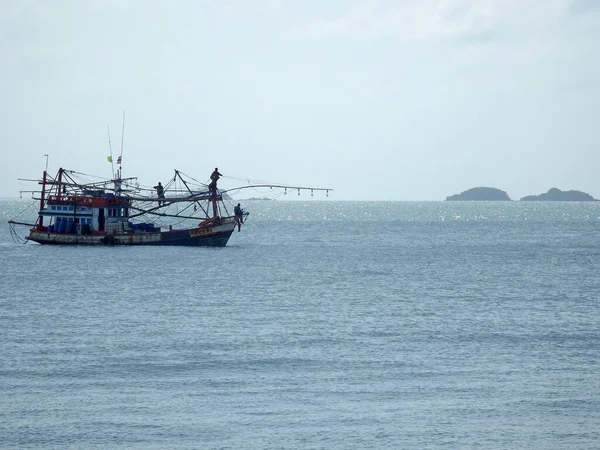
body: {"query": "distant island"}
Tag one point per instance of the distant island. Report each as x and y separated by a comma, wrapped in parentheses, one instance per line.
(493, 194)
(556, 195)
(480, 194)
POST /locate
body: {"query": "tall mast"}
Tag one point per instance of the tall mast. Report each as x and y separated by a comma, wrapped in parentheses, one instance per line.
(110, 152)
(122, 137)
(215, 210)
(59, 188)
(42, 199)
(119, 161)
(117, 182)
(215, 207)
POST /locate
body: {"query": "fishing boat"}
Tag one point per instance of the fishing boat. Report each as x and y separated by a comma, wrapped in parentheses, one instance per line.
(77, 209)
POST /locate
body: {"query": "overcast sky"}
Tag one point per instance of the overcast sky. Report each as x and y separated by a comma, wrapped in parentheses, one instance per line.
(376, 99)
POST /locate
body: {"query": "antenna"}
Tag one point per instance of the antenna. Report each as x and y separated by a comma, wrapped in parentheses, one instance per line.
(46, 155)
(122, 138)
(110, 149)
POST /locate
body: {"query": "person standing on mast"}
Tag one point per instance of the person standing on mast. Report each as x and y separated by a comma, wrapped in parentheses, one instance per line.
(214, 177)
(160, 192)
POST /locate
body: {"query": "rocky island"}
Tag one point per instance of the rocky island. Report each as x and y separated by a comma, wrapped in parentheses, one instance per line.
(481, 194)
(556, 195)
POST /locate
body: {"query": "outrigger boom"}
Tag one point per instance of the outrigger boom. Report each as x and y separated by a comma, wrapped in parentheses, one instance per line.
(279, 186)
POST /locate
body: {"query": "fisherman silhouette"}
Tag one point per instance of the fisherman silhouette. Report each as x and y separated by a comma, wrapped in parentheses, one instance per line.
(239, 216)
(212, 187)
(160, 193)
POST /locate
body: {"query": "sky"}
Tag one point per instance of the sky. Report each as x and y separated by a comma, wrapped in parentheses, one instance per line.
(375, 99)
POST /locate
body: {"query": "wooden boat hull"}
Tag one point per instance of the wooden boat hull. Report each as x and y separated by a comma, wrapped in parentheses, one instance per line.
(206, 236)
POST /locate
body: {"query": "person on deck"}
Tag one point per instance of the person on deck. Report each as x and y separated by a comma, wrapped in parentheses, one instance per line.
(239, 216)
(214, 177)
(160, 193)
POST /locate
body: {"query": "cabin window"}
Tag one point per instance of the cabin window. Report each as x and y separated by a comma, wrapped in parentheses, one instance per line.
(53, 208)
(82, 209)
(70, 208)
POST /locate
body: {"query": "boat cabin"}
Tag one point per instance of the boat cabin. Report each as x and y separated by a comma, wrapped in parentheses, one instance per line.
(92, 212)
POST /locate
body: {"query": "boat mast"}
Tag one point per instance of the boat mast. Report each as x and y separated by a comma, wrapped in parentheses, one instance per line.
(42, 199)
(43, 194)
(119, 161)
(60, 187)
(215, 207)
(117, 182)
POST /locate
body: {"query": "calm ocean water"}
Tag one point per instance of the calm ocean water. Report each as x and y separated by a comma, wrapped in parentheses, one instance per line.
(322, 325)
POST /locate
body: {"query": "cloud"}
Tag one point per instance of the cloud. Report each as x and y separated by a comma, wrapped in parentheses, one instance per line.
(349, 22)
(432, 19)
(584, 6)
(16, 10)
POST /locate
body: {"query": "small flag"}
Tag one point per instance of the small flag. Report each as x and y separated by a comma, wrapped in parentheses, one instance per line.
(119, 160)
(109, 158)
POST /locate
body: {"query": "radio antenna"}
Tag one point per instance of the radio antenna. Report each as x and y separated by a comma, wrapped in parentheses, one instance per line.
(122, 138)
(110, 149)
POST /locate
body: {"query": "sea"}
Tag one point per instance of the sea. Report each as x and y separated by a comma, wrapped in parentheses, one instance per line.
(322, 325)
